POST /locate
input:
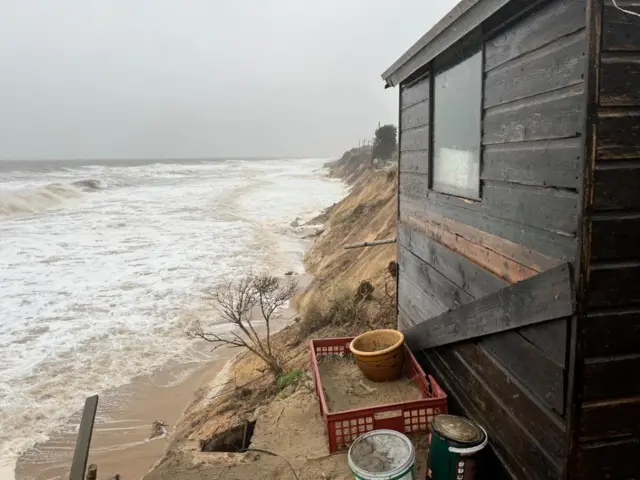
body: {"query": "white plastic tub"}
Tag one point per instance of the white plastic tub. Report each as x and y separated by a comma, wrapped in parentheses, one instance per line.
(382, 455)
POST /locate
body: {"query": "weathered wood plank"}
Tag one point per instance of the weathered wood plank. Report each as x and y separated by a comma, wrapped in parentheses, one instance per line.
(424, 275)
(459, 404)
(550, 337)
(83, 441)
(615, 238)
(558, 114)
(619, 134)
(614, 284)
(416, 302)
(556, 65)
(617, 188)
(617, 460)
(546, 163)
(526, 456)
(619, 29)
(498, 265)
(416, 139)
(414, 162)
(457, 268)
(544, 297)
(494, 461)
(415, 116)
(415, 93)
(404, 321)
(610, 418)
(539, 373)
(543, 424)
(612, 333)
(550, 209)
(415, 185)
(611, 377)
(554, 21)
(620, 77)
(516, 252)
(517, 243)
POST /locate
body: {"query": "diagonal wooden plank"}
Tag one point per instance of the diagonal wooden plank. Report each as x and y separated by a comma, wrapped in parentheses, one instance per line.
(546, 296)
(83, 442)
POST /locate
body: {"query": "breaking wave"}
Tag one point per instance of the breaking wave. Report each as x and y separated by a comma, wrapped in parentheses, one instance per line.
(88, 185)
(38, 199)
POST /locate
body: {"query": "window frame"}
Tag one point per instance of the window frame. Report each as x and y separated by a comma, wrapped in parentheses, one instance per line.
(449, 59)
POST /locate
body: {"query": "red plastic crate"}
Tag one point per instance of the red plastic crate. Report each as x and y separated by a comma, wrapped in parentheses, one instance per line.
(405, 417)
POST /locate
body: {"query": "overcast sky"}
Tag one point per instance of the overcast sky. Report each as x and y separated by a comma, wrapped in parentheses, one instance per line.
(199, 78)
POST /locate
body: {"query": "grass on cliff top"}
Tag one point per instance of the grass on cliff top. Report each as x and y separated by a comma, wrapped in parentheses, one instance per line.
(288, 378)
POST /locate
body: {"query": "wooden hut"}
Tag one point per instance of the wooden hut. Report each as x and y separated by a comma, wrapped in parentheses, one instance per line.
(519, 227)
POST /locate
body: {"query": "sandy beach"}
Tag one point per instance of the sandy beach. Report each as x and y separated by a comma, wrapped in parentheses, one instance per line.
(121, 441)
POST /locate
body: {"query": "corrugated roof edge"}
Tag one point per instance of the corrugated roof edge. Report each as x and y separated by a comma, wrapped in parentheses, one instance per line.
(460, 21)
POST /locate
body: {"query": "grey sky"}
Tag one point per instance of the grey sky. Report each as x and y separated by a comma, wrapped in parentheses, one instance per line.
(199, 78)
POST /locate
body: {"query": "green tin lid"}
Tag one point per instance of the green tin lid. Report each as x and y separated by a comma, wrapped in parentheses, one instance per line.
(458, 429)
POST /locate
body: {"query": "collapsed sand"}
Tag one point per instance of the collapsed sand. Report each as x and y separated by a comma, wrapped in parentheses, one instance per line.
(346, 388)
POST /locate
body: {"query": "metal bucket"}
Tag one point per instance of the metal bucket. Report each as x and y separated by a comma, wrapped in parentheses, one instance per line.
(382, 455)
(455, 448)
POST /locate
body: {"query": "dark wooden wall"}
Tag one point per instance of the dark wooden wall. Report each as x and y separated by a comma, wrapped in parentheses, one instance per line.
(608, 371)
(453, 250)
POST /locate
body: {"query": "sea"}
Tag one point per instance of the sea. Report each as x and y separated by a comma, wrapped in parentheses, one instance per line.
(105, 264)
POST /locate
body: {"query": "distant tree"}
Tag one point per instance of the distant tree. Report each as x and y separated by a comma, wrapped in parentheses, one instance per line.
(385, 142)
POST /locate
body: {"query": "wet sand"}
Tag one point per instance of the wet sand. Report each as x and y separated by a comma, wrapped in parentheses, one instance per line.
(120, 443)
(122, 429)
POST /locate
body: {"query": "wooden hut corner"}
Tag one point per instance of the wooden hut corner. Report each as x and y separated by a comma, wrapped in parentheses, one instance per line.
(519, 225)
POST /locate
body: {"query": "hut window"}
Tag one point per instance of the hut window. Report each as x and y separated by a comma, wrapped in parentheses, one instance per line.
(457, 128)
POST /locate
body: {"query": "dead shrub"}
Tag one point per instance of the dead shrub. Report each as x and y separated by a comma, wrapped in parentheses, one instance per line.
(392, 269)
(313, 319)
(342, 308)
(364, 290)
(237, 299)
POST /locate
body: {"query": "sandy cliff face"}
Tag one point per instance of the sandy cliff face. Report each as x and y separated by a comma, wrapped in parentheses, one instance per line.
(367, 213)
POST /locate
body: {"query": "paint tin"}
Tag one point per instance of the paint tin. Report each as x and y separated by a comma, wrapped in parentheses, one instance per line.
(455, 448)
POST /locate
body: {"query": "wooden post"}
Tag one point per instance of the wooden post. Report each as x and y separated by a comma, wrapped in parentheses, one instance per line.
(92, 472)
(83, 442)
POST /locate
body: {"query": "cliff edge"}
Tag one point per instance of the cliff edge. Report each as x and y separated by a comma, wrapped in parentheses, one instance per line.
(243, 407)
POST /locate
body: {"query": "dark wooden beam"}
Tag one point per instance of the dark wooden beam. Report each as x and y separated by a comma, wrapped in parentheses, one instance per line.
(83, 442)
(461, 20)
(542, 298)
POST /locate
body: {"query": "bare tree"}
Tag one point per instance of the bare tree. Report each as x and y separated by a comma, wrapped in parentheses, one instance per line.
(243, 301)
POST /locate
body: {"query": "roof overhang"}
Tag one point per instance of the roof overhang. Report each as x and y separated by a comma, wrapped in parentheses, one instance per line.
(460, 21)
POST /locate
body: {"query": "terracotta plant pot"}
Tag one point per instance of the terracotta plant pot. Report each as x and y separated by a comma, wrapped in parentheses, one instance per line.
(379, 354)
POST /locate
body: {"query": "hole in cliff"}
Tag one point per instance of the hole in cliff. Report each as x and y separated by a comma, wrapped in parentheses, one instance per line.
(235, 439)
